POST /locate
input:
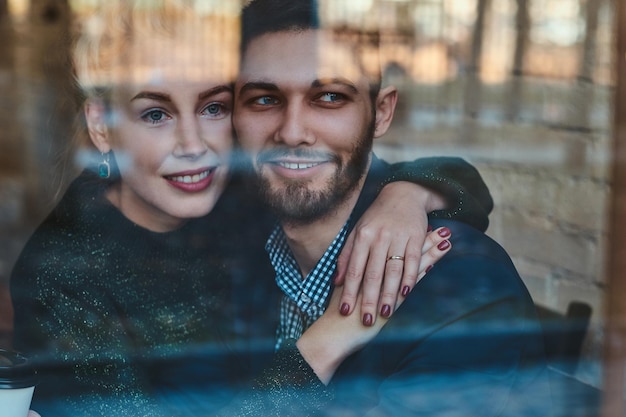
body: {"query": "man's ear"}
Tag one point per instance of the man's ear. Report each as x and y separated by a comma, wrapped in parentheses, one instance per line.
(385, 107)
(95, 115)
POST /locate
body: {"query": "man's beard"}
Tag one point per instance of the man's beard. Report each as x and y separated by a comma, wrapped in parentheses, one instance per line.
(295, 203)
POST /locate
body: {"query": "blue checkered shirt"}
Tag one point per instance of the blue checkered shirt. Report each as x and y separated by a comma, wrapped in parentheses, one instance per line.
(304, 300)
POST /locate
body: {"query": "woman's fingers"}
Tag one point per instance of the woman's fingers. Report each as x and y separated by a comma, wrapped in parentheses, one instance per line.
(351, 268)
(380, 279)
(401, 261)
(436, 245)
(368, 273)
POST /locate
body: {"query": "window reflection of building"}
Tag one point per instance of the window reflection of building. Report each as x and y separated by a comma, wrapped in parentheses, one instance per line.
(526, 95)
(522, 88)
(556, 31)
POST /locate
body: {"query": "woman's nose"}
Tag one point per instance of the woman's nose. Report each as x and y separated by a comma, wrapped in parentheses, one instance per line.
(190, 143)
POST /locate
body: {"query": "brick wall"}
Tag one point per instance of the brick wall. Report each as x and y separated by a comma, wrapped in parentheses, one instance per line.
(532, 109)
(550, 186)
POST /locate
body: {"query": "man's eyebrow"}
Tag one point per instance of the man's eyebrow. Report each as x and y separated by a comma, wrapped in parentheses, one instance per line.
(215, 90)
(342, 81)
(258, 85)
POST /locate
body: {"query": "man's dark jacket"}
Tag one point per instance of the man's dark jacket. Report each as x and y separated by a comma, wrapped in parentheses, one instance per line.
(465, 342)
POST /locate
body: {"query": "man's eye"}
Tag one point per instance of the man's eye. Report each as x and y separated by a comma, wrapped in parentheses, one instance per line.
(266, 101)
(331, 97)
(154, 116)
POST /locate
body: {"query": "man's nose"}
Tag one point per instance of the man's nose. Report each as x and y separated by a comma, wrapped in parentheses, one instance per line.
(294, 127)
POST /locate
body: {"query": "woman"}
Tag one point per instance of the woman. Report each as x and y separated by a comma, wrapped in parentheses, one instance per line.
(134, 283)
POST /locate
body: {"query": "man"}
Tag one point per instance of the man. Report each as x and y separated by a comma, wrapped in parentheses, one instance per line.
(307, 109)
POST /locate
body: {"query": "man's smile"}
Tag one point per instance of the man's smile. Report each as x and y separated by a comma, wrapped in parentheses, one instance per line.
(298, 165)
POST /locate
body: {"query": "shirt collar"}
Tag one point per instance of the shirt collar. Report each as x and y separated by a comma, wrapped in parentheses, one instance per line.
(317, 285)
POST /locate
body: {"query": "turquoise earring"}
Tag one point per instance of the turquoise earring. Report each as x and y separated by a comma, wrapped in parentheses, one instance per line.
(104, 169)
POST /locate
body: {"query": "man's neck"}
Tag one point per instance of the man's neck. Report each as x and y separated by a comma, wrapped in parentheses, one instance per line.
(308, 242)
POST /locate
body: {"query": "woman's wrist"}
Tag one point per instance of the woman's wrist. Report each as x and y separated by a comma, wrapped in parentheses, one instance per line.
(321, 354)
(425, 197)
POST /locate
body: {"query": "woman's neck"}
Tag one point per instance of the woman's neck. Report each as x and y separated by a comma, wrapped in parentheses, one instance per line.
(147, 219)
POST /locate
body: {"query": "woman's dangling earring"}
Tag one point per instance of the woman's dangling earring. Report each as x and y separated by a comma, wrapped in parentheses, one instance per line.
(104, 169)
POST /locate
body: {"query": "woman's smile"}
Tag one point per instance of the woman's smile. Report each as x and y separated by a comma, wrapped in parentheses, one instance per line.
(192, 181)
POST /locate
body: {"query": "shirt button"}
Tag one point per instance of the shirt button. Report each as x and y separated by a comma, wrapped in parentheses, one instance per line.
(305, 298)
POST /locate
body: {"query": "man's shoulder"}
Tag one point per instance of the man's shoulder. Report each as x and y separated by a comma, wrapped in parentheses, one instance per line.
(475, 283)
(476, 267)
(476, 261)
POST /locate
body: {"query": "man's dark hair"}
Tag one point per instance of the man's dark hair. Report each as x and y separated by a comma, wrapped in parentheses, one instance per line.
(268, 16)
(261, 17)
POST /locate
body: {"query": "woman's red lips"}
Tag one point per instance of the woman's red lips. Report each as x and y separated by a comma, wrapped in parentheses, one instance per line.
(191, 181)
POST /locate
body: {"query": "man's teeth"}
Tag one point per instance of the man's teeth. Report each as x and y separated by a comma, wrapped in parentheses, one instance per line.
(190, 179)
(295, 165)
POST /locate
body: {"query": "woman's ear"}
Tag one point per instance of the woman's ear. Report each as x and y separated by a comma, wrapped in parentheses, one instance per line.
(95, 115)
(385, 108)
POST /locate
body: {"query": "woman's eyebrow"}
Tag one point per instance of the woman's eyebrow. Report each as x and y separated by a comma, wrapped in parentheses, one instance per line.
(150, 95)
(215, 90)
(153, 95)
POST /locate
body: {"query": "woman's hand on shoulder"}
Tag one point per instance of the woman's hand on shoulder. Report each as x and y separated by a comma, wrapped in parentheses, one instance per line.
(389, 250)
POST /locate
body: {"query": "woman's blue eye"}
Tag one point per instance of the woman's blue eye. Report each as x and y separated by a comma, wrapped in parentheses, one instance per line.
(214, 109)
(153, 116)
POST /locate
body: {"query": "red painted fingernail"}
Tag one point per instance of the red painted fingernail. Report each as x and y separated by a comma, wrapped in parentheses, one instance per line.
(385, 311)
(345, 309)
(428, 269)
(406, 290)
(367, 319)
(444, 232)
(443, 245)
(429, 228)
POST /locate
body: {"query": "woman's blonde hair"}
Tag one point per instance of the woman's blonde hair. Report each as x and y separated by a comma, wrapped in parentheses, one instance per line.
(118, 41)
(125, 41)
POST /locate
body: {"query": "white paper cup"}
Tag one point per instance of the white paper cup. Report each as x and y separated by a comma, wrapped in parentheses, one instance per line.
(17, 384)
